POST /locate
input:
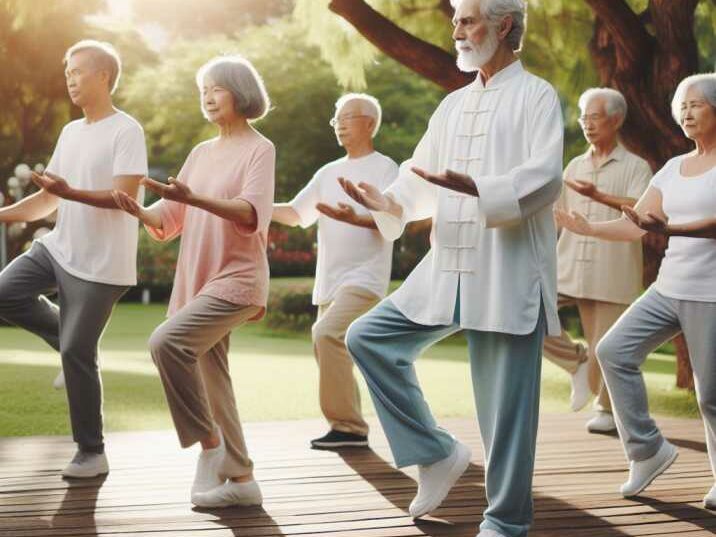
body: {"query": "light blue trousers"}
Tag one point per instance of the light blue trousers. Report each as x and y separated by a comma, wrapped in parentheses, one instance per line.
(506, 380)
(650, 321)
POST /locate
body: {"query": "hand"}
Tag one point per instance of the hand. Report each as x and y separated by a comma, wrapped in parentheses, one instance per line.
(127, 203)
(649, 222)
(174, 190)
(342, 213)
(574, 222)
(54, 184)
(585, 188)
(450, 179)
(366, 194)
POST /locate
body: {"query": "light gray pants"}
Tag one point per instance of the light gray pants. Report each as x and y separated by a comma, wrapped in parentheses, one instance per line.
(651, 321)
(74, 329)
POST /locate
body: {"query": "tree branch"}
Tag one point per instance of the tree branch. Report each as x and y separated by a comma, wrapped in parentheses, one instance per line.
(424, 58)
(627, 31)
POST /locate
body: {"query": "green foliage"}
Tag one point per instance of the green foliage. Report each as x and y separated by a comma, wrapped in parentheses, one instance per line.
(156, 261)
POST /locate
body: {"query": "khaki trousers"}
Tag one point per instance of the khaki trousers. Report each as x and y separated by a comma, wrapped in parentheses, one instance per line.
(190, 350)
(338, 390)
(597, 317)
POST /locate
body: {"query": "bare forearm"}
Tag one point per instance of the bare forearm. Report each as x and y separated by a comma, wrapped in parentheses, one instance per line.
(621, 229)
(364, 220)
(96, 198)
(30, 209)
(394, 208)
(702, 229)
(236, 210)
(615, 202)
(283, 213)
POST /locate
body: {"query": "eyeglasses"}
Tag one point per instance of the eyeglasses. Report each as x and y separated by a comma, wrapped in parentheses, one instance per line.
(591, 118)
(342, 119)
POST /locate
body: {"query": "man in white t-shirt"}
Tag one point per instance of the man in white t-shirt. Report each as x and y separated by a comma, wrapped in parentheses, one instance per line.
(354, 261)
(89, 258)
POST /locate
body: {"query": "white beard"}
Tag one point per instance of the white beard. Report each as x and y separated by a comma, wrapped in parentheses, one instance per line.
(471, 60)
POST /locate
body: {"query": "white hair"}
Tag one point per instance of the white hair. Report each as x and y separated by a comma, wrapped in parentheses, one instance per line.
(705, 82)
(104, 58)
(369, 106)
(495, 10)
(615, 103)
(238, 75)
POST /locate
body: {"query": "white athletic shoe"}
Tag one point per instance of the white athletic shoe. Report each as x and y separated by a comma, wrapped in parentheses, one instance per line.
(228, 494)
(603, 422)
(59, 382)
(642, 473)
(85, 465)
(436, 480)
(207, 468)
(581, 393)
(710, 499)
(490, 533)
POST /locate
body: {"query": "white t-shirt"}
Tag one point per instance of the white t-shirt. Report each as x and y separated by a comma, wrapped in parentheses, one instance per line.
(688, 271)
(348, 255)
(94, 244)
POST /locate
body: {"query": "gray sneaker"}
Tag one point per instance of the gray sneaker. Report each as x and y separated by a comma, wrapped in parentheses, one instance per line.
(85, 465)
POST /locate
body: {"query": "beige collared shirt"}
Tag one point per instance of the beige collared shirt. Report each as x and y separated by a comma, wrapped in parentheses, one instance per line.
(593, 268)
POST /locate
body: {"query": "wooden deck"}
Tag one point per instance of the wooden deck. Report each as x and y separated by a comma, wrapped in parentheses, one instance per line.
(356, 493)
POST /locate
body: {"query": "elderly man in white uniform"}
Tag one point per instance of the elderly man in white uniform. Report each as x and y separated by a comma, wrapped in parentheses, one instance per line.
(354, 261)
(488, 171)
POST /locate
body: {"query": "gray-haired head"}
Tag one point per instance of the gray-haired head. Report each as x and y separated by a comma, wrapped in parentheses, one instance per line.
(706, 83)
(104, 58)
(369, 106)
(496, 10)
(240, 78)
(614, 102)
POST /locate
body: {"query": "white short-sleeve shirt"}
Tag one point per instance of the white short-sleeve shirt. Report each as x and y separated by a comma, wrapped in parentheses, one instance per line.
(91, 243)
(688, 271)
(347, 255)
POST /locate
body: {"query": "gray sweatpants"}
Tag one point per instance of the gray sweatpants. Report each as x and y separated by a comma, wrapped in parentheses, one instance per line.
(74, 329)
(652, 320)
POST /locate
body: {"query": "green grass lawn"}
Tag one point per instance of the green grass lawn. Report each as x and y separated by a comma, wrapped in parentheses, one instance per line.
(275, 378)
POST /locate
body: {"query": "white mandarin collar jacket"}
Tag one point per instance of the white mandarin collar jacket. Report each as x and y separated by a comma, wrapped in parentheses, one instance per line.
(497, 250)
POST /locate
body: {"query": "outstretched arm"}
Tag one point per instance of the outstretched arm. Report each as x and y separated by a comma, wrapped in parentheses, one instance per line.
(590, 190)
(56, 185)
(35, 207)
(346, 213)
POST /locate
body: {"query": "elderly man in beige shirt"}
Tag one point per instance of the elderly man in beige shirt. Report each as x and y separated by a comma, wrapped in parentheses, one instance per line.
(599, 277)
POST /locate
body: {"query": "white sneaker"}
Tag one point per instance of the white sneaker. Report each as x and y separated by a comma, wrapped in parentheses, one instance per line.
(642, 473)
(87, 465)
(581, 393)
(229, 493)
(436, 480)
(710, 499)
(490, 533)
(59, 382)
(207, 468)
(603, 422)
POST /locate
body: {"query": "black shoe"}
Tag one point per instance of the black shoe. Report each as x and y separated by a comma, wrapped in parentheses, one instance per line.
(339, 439)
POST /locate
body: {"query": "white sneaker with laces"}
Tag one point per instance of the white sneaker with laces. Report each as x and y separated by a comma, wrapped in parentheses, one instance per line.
(436, 480)
(207, 468)
(581, 393)
(603, 422)
(85, 465)
(59, 382)
(710, 499)
(228, 494)
(642, 473)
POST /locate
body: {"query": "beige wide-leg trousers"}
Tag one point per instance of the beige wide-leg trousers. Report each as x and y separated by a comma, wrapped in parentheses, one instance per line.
(190, 350)
(596, 317)
(338, 391)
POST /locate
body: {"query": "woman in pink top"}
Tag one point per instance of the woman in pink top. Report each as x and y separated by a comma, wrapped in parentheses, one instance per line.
(221, 204)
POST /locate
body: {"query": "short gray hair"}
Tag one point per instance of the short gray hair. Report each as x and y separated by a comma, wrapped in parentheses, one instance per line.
(240, 78)
(369, 106)
(104, 58)
(495, 10)
(706, 82)
(615, 103)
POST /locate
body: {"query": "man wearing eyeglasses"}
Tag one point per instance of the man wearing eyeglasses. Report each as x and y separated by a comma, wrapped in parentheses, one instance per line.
(601, 278)
(354, 261)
